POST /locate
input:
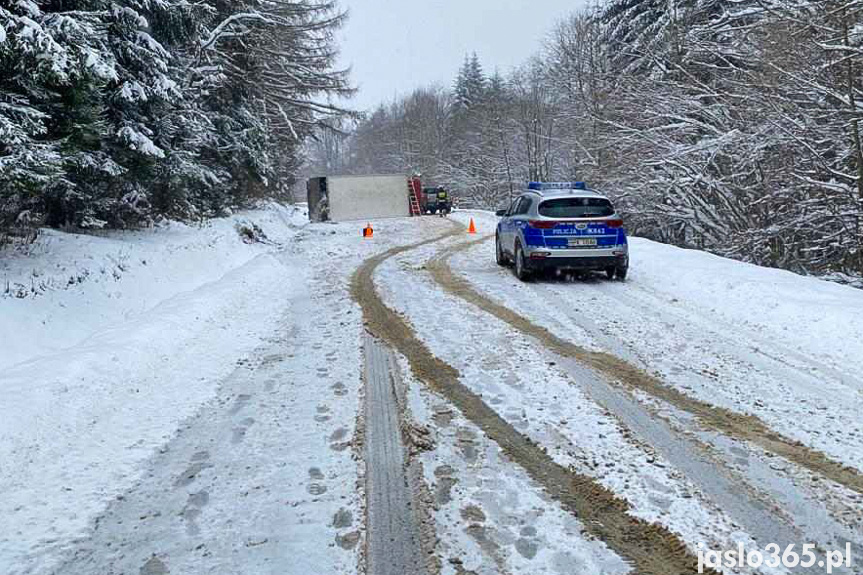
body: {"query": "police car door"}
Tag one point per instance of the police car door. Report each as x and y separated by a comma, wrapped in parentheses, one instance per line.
(507, 240)
(519, 220)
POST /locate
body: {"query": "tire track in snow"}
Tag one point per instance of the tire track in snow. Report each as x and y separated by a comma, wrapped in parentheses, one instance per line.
(762, 503)
(798, 384)
(393, 541)
(650, 548)
(735, 425)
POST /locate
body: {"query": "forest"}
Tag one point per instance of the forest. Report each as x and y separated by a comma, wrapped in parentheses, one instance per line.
(731, 126)
(115, 114)
(725, 125)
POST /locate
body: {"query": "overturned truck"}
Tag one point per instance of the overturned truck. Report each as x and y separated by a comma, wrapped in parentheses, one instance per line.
(346, 198)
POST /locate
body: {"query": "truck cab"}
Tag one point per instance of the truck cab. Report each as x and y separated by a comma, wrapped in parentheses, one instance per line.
(436, 199)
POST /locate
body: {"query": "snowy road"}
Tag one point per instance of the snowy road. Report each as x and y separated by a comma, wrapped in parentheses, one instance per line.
(220, 408)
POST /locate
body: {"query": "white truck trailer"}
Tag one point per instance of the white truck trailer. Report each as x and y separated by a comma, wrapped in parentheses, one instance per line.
(347, 198)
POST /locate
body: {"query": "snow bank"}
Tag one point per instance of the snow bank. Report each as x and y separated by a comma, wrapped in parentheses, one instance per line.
(754, 340)
(70, 286)
(820, 319)
(806, 314)
(98, 371)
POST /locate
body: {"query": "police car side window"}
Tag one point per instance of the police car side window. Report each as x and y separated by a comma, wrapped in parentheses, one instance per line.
(523, 206)
(513, 207)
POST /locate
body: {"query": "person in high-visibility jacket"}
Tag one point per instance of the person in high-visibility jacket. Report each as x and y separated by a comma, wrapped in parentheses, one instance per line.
(442, 202)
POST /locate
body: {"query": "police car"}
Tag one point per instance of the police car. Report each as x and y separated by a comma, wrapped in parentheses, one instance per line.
(561, 226)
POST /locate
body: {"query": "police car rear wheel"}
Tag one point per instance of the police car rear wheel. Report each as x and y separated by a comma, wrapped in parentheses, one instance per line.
(610, 272)
(620, 273)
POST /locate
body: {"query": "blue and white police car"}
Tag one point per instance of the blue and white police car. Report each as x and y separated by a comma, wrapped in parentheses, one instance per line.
(561, 226)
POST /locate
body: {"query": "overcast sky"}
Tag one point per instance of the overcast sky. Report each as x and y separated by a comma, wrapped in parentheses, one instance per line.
(394, 46)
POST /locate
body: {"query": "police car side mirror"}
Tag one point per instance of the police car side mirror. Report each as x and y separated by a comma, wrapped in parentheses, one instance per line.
(500, 213)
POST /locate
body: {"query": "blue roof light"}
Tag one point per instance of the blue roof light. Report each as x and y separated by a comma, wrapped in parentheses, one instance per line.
(540, 186)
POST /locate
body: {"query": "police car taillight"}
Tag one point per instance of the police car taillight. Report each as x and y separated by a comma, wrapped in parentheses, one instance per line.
(541, 224)
(614, 223)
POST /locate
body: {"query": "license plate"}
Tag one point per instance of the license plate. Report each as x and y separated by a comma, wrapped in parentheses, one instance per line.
(581, 242)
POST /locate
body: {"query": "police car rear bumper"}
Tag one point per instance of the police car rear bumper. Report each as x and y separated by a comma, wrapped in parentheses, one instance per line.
(585, 259)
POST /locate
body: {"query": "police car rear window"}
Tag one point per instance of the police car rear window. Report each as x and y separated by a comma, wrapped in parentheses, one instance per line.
(576, 208)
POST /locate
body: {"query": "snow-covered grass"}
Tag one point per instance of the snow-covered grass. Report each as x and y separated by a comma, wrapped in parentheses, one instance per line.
(67, 286)
(808, 315)
(100, 371)
(112, 343)
(756, 340)
(230, 349)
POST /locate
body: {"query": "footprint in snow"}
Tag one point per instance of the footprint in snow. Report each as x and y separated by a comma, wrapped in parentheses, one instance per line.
(323, 414)
(192, 511)
(445, 484)
(527, 548)
(316, 474)
(339, 389)
(201, 456)
(316, 489)
(241, 402)
(154, 566)
(337, 440)
(239, 433)
(343, 519)
(191, 473)
(348, 541)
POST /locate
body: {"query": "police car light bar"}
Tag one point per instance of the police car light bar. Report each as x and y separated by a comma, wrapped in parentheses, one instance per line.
(540, 186)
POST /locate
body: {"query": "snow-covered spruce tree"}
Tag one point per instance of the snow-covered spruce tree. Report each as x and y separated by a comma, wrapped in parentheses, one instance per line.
(98, 82)
(467, 167)
(113, 112)
(52, 66)
(470, 85)
(270, 71)
(138, 105)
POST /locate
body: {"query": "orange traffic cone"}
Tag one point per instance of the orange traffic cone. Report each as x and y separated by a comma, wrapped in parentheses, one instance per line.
(472, 228)
(368, 231)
